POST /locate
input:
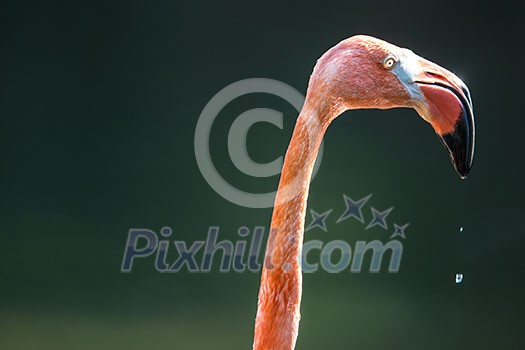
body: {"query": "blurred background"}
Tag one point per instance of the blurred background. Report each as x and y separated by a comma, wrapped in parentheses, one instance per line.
(99, 103)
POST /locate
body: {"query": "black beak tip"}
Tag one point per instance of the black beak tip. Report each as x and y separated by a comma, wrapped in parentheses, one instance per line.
(460, 140)
(460, 144)
(463, 173)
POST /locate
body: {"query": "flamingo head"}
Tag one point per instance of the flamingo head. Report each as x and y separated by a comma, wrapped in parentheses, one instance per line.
(366, 72)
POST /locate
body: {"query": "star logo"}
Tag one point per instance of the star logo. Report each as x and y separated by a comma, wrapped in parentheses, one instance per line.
(353, 208)
(318, 220)
(379, 218)
(399, 231)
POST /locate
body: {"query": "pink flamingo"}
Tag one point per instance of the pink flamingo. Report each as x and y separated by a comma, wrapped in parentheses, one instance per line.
(359, 72)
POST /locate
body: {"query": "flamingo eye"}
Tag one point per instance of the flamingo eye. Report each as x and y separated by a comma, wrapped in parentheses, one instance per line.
(389, 62)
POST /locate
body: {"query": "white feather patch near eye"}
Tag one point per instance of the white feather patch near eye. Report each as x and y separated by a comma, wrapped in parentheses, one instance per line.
(406, 70)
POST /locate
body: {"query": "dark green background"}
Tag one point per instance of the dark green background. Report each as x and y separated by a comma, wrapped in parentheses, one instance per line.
(99, 103)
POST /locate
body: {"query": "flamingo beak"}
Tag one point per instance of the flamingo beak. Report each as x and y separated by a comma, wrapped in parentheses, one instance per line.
(446, 104)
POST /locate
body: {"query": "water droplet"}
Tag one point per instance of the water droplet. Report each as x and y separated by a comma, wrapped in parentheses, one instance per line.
(461, 229)
(459, 278)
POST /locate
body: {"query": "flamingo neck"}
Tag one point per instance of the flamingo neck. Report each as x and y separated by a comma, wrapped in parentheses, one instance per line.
(278, 314)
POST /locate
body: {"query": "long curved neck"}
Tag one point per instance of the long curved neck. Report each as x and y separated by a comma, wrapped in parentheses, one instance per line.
(278, 315)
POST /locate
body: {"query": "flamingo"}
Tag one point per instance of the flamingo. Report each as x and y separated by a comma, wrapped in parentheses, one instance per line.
(359, 72)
